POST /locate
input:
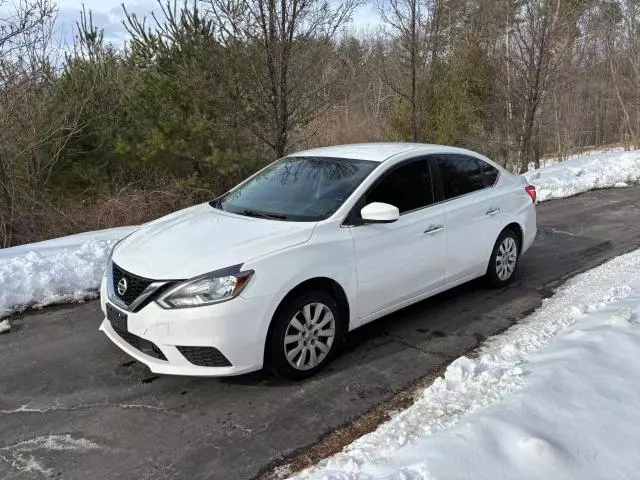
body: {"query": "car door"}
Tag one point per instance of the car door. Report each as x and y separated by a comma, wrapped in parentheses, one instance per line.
(398, 261)
(471, 214)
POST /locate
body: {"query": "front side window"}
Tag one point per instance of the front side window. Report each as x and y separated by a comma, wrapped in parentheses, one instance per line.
(297, 188)
(460, 175)
(407, 187)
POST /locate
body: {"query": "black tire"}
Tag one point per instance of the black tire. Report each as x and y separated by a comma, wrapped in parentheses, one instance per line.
(276, 357)
(493, 276)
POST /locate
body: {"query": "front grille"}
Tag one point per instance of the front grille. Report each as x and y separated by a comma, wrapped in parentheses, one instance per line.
(135, 285)
(204, 356)
(145, 346)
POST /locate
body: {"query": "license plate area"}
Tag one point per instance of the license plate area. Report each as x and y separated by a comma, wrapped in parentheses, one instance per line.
(117, 318)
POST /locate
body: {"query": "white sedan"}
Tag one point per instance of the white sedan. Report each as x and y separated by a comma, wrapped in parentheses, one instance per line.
(276, 271)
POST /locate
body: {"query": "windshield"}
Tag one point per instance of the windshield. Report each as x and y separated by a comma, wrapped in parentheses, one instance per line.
(297, 188)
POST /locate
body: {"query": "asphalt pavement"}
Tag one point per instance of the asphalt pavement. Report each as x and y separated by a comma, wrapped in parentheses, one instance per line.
(73, 406)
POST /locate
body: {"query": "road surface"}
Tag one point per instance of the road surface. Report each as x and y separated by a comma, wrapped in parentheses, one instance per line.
(73, 406)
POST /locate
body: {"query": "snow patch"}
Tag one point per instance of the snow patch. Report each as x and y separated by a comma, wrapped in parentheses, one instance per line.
(67, 269)
(20, 455)
(585, 172)
(27, 464)
(532, 451)
(621, 318)
(535, 404)
(55, 442)
(547, 161)
(5, 326)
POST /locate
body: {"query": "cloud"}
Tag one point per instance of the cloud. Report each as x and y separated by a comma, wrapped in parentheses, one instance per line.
(109, 14)
(366, 17)
(106, 14)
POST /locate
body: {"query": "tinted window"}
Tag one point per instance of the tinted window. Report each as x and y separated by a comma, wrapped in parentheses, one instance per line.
(297, 188)
(407, 187)
(460, 175)
(490, 174)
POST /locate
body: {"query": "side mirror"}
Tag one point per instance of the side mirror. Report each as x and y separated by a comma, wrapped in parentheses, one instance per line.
(378, 212)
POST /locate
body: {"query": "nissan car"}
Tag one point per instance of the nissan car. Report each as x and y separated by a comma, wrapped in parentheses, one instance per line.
(276, 271)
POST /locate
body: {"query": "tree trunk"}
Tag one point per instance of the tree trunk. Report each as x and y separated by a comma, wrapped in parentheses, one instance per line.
(557, 122)
(414, 46)
(508, 95)
(6, 206)
(525, 139)
(627, 120)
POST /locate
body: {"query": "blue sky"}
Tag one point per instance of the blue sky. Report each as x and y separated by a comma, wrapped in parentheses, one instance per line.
(108, 15)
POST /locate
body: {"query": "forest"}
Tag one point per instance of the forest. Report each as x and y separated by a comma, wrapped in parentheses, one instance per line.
(95, 135)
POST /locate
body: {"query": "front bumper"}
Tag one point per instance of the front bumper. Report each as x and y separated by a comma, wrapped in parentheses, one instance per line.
(237, 328)
(530, 229)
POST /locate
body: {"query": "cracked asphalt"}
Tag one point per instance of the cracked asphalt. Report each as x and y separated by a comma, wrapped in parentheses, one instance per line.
(73, 406)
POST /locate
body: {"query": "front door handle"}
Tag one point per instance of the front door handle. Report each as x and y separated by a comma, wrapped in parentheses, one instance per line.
(493, 211)
(433, 229)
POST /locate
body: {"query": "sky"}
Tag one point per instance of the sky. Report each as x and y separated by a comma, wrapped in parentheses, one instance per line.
(108, 15)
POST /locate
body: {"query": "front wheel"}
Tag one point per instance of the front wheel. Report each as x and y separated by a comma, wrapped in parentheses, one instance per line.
(306, 335)
(504, 259)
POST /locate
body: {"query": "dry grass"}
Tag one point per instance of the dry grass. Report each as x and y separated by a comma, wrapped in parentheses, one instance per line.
(338, 126)
(132, 207)
(127, 207)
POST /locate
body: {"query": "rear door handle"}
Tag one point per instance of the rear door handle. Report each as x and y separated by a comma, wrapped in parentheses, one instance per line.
(433, 229)
(493, 211)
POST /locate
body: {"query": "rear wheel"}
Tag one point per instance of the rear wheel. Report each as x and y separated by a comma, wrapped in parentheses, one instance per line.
(305, 336)
(504, 259)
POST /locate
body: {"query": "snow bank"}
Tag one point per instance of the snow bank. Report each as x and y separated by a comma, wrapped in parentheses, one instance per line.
(546, 161)
(586, 172)
(62, 270)
(533, 405)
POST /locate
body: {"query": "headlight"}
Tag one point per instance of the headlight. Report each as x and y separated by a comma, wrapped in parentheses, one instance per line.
(207, 289)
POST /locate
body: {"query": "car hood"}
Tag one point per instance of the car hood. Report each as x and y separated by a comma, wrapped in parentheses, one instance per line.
(202, 239)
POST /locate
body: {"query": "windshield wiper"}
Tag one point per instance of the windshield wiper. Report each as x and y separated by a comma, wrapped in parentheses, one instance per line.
(216, 203)
(258, 214)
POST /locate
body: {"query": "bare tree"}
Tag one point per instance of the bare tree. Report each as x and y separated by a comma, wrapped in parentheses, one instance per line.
(543, 32)
(405, 23)
(25, 32)
(288, 46)
(620, 32)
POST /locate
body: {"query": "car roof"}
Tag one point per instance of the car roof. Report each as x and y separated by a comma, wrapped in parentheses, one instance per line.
(377, 152)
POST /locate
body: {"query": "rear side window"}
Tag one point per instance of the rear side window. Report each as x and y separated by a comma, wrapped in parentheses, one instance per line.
(460, 175)
(490, 174)
(407, 187)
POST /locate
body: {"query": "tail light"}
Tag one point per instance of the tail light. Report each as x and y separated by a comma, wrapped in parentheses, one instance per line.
(531, 190)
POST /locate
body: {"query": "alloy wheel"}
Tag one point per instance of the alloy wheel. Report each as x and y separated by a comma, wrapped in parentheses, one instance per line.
(506, 258)
(309, 336)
